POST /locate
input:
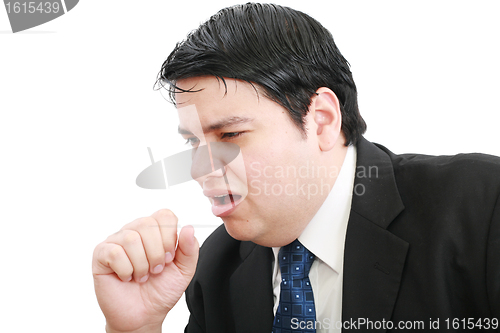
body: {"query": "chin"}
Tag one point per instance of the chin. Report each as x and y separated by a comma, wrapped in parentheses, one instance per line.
(239, 229)
(243, 231)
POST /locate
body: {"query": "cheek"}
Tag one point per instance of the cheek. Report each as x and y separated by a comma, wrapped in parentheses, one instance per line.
(237, 175)
(271, 169)
(267, 180)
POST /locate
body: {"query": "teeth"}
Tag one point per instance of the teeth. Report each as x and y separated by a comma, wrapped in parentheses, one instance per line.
(220, 196)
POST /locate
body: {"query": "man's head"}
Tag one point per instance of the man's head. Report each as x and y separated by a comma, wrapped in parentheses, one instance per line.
(285, 53)
(270, 80)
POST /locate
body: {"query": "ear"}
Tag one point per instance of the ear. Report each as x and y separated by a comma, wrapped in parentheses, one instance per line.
(325, 110)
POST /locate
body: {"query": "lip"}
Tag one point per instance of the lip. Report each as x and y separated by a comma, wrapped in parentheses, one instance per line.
(224, 209)
(215, 192)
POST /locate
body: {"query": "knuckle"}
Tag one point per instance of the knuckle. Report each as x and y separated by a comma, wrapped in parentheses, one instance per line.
(167, 214)
(115, 251)
(147, 222)
(97, 250)
(129, 225)
(131, 237)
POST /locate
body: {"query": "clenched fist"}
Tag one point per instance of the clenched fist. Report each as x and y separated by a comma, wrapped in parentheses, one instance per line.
(141, 272)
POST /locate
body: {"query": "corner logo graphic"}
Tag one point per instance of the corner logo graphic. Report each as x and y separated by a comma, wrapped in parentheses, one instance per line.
(180, 168)
(24, 15)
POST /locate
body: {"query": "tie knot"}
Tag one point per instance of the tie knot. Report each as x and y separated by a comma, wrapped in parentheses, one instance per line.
(295, 261)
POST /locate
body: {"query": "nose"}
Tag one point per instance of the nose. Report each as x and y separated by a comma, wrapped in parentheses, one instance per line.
(210, 160)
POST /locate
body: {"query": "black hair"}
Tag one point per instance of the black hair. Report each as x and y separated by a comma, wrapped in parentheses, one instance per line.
(281, 50)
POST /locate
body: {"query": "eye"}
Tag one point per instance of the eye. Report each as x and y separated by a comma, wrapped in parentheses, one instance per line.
(193, 141)
(231, 135)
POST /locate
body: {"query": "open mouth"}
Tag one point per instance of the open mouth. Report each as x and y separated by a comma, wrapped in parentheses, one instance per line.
(225, 199)
(225, 203)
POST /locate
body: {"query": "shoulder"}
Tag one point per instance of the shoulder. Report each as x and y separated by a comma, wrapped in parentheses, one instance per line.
(463, 172)
(459, 162)
(457, 195)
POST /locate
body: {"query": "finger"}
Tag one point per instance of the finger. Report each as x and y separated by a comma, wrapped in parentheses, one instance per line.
(131, 242)
(151, 237)
(111, 258)
(186, 256)
(167, 223)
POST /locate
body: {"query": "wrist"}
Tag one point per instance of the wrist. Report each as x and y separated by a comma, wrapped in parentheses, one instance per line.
(145, 329)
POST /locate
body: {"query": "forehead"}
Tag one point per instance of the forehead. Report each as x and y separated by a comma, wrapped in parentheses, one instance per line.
(208, 91)
(211, 104)
(210, 101)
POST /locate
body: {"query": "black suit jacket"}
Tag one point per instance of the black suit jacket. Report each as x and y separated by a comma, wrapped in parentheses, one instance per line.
(422, 243)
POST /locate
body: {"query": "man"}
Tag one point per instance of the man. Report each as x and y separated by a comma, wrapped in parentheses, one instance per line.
(394, 241)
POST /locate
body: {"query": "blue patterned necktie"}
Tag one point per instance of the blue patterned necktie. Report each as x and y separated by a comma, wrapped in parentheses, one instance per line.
(296, 312)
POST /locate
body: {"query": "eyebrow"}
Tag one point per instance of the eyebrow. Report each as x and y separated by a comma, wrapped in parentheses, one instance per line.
(231, 121)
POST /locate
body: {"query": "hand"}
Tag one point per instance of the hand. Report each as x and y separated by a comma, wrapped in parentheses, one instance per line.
(139, 274)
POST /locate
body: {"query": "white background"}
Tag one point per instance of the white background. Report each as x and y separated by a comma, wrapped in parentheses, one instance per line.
(78, 112)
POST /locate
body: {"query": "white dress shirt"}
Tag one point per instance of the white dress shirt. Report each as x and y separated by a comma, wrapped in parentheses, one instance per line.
(325, 237)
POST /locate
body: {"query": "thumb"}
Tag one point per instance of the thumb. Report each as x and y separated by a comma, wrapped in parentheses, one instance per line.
(186, 255)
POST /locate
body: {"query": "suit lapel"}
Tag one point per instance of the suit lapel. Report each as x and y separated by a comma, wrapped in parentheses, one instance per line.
(251, 290)
(374, 258)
